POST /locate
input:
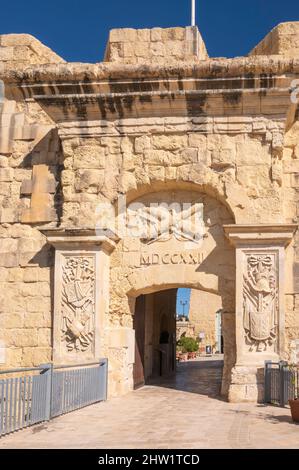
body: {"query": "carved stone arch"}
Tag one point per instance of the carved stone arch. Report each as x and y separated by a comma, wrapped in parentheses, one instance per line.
(213, 187)
(163, 265)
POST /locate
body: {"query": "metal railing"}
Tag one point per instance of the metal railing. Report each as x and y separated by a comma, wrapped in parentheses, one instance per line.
(281, 382)
(74, 388)
(22, 399)
(37, 394)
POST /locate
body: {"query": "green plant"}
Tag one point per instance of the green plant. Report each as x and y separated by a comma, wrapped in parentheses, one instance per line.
(188, 344)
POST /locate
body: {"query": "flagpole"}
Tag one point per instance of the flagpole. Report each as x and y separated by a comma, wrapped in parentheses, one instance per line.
(193, 13)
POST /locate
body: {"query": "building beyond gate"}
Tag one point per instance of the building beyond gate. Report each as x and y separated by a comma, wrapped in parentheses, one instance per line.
(157, 122)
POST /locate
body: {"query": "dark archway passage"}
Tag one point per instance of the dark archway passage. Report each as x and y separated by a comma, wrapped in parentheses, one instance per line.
(155, 336)
(139, 327)
(155, 349)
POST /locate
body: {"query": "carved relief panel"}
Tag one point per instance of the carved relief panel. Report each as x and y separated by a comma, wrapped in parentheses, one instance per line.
(81, 294)
(262, 276)
(260, 300)
(78, 304)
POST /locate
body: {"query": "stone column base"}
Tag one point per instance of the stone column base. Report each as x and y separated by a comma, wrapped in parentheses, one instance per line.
(247, 384)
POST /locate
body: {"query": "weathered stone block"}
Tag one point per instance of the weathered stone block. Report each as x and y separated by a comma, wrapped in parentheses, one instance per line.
(37, 319)
(67, 178)
(156, 173)
(282, 40)
(11, 320)
(127, 181)
(6, 53)
(142, 143)
(9, 260)
(44, 337)
(23, 337)
(30, 275)
(197, 140)
(89, 178)
(171, 142)
(8, 245)
(89, 156)
(3, 161)
(6, 174)
(112, 143)
(15, 274)
(14, 357)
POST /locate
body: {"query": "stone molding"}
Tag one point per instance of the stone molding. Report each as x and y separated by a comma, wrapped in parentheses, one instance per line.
(76, 238)
(260, 234)
(214, 67)
(155, 97)
(172, 125)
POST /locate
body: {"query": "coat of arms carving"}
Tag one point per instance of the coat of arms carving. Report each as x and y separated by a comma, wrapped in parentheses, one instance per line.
(260, 296)
(78, 303)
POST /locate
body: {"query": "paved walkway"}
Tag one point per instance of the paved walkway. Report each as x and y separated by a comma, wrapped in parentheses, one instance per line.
(182, 412)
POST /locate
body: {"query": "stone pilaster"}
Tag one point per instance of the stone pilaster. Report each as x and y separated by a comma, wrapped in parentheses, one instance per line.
(81, 294)
(260, 316)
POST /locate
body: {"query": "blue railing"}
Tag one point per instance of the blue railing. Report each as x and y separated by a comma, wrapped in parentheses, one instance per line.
(33, 395)
(281, 382)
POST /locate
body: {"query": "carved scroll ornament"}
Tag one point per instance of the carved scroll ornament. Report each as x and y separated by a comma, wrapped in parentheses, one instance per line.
(78, 303)
(260, 296)
(164, 222)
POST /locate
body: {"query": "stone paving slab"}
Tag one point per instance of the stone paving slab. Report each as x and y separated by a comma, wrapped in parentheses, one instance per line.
(167, 416)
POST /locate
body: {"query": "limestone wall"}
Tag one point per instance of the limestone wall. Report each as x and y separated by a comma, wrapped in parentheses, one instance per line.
(239, 167)
(185, 328)
(282, 40)
(290, 209)
(30, 159)
(20, 50)
(25, 296)
(202, 313)
(137, 46)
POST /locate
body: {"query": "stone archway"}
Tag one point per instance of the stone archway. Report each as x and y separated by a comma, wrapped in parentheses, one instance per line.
(145, 265)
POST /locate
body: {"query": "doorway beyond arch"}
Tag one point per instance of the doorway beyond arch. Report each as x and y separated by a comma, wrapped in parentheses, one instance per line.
(156, 338)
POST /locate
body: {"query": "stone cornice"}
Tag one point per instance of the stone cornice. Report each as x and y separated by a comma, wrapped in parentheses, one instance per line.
(79, 238)
(219, 87)
(211, 68)
(260, 234)
(157, 98)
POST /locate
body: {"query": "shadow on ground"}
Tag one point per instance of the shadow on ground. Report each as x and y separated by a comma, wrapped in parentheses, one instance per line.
(200, 377)
(280, 419)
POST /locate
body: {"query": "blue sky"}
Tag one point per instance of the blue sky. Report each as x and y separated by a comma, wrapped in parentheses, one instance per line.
(78, 31)
(184, 296)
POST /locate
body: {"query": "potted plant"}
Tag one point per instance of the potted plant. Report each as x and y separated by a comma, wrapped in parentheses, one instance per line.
(184, 355)
(294, 404)
(178, 353)
(189, 346)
